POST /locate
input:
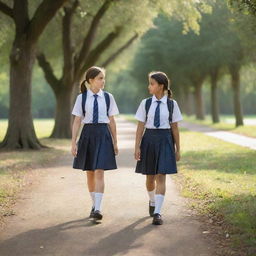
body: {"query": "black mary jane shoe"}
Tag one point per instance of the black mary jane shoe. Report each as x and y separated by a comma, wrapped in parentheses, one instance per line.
(97, 216)
(157, 219)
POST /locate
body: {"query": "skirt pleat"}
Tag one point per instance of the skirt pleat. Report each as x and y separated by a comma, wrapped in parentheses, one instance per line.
(157, 153)
(95, 149)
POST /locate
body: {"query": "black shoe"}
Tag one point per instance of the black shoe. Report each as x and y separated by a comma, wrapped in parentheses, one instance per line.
(157, 219)
(91, 213)
(97, 215)
(151, 210)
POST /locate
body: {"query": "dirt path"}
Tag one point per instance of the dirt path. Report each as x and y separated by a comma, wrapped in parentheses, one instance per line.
(51, 218)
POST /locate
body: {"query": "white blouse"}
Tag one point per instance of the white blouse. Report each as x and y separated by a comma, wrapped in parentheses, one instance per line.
(164, 113)
(103, 118)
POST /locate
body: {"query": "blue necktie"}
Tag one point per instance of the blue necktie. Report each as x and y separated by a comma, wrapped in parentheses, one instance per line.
(157, 115)
(95, 110)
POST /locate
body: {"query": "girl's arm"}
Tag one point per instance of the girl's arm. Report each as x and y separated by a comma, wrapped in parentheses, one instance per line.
(176, 136)
(112, 126)
(75, 130)
(139, 133)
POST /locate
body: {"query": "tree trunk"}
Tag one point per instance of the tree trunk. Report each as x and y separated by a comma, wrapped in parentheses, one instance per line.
(199, 100)
(20, 132)
(214, 97)
(186, 101)
(62, 124)
(235, 82)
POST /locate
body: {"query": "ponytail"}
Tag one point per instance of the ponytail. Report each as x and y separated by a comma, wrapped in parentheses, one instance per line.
(169, 93)
(83, 87)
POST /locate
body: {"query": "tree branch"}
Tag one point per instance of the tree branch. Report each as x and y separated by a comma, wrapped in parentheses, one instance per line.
(6, 9)
(119, 51)
(90, 35)
(52, 80)
(44, 13)
(95, 54)
(20, 16)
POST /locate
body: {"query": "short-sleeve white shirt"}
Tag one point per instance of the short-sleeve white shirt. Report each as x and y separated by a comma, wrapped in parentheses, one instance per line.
(164, 113)
(103, 118)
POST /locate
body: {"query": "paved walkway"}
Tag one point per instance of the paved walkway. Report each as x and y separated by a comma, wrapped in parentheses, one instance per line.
(51, 218)
(226, 136)
(247, 121)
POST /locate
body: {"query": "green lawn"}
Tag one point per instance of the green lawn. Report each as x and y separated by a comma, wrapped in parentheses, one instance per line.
(222, 177)
(227, 123)
(129, 117)
(43, 127)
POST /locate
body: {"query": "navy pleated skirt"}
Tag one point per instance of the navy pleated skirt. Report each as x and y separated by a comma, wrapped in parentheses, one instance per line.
(157, 153)
(95, 149)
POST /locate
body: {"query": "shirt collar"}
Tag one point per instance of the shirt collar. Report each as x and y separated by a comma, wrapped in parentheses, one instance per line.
(163, 99)
(90, 93)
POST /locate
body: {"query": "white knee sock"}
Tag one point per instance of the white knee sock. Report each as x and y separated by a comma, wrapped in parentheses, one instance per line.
(93, 198)
(98, 198)
(151, 195)
(159, 199)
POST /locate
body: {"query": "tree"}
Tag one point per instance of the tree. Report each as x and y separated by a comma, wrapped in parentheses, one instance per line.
(93, 46)
(20, 132)
(75, 63)
(166, 48)
(225, 43)
(245, 6)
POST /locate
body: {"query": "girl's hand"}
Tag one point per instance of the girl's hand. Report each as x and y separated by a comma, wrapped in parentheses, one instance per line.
(115, 149)
(137, 154)
(74, 150)
(177, 155)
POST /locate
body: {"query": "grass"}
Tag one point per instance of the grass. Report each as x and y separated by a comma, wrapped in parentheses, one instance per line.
(221, 177)
(43, 127)
(220, 180)
(17, 166)
(227, 123)
(129, 117)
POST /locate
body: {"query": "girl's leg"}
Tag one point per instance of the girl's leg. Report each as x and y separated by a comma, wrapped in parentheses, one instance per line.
(159, 198)
(150, 185)
(99, 188)
(91, 185)
(160, 184)
(150, 182)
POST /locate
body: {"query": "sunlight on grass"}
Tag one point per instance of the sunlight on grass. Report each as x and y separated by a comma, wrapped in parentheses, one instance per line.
(43, 127)
(223, 177)
(228, 124)
(129, 117)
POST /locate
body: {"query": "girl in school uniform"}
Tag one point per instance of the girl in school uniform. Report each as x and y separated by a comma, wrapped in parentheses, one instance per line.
(157, 146)
(97, 146)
